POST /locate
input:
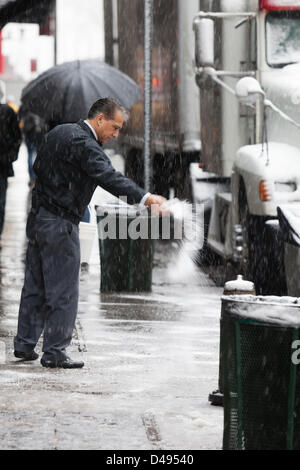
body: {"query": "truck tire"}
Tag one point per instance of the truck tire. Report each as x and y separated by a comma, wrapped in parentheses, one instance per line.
(253, 259)
(134, 166)
(262, 255)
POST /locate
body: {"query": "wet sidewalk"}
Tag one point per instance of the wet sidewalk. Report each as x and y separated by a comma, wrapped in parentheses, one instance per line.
(150, 359)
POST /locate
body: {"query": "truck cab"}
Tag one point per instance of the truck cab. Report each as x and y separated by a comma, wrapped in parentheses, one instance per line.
(255, 149)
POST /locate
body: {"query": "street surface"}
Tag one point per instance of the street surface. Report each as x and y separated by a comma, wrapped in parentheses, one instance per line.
(151, 359)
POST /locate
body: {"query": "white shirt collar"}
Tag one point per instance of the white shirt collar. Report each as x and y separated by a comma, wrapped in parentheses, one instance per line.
(92, 129)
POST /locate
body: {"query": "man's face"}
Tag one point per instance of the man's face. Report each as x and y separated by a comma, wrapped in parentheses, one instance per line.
(108, 129)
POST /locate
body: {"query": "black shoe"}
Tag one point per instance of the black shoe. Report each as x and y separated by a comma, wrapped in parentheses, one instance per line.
(26, 356)
(66, 363)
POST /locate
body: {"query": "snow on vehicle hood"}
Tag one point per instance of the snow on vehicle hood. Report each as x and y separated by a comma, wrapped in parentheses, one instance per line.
(284, 161)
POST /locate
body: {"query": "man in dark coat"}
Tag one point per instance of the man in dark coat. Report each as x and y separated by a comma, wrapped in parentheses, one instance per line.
(69, 166)
(10, 141)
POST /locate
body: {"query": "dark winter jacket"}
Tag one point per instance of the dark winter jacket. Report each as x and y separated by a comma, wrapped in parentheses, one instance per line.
(69, 165)
(34, 128)
(10, 139)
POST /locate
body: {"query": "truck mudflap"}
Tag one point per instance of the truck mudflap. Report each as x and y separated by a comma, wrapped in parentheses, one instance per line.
(289, 222)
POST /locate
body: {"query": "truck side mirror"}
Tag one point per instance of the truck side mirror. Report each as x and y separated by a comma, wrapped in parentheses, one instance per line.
(248, 90)
(204, 42)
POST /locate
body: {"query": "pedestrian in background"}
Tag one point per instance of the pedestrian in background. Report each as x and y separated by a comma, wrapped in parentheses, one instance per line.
(33, 128)
(69, 166)
(10, 141)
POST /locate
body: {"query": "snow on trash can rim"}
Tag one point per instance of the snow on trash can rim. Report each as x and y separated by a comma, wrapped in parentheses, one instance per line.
(275, 310)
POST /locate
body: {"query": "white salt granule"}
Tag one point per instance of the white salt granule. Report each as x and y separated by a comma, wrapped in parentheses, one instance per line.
(183, 266)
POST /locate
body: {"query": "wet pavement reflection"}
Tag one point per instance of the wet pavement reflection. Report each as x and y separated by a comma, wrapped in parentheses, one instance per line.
(151, 359)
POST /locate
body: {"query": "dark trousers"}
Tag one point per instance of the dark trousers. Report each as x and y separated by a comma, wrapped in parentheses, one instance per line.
(49, 298)
(3, 189)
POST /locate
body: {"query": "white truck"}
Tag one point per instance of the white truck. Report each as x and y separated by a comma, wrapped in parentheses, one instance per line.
(247, 57)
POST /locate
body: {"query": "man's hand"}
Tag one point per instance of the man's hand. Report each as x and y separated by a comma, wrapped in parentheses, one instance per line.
(156, 204)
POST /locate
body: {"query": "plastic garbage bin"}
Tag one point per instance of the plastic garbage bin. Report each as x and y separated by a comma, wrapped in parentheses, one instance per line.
(261, 376)
(126, 248)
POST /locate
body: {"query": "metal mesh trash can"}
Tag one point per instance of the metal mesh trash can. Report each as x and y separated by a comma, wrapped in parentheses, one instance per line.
(239, 286)
(126, 248)
(261, 377)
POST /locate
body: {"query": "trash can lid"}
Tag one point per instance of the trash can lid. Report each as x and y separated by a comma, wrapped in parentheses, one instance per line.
(282, 311)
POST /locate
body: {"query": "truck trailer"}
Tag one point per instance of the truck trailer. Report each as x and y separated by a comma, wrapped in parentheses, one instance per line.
(247, 65)
(175, 96)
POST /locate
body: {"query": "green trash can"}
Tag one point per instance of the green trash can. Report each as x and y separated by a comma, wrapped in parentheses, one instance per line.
(126, 248)
(261, 376)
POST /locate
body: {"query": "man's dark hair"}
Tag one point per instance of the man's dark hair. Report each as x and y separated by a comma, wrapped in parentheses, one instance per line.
(107, 106)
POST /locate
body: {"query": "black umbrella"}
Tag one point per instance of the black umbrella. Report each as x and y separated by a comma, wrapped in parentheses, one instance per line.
(65, 93)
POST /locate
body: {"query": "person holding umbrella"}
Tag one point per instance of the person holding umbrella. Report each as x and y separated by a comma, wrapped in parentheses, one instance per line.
(10, 141)
(69, 165)
(65, 92)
